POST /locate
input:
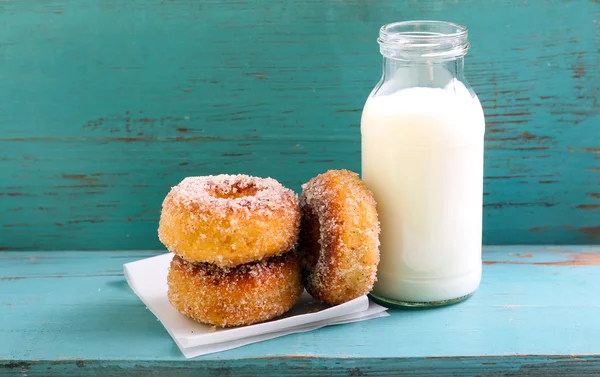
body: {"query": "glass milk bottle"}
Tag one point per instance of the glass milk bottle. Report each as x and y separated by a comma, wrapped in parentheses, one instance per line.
(422, 156)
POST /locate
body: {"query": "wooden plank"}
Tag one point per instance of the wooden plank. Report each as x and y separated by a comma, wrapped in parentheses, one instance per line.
(526, 365)
(105, 104)
(72, 313)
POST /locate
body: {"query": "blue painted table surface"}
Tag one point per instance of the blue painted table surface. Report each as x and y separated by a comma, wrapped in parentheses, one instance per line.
(105, 104)
(535, 314)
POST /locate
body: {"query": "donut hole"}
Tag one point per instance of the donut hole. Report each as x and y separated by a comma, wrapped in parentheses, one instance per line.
(234, 191)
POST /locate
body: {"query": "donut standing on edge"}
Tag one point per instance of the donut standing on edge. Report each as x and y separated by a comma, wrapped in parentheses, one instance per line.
(339, 237)
(233, 238)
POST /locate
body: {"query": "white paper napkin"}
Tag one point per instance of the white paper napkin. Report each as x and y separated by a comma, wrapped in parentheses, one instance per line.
(374, 311)
(148, 279)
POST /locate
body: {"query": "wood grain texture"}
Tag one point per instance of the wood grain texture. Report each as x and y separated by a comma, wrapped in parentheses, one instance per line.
(106, 104)
(507, 366)
(535, 314)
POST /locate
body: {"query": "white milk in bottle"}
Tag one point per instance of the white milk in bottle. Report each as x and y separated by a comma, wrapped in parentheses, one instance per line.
(422, 156)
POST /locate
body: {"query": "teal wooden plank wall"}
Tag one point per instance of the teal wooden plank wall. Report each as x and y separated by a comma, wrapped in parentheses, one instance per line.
(105, 104)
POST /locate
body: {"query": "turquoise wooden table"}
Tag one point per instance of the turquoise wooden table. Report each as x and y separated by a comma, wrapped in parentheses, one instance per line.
(72, 313)
(105, 104)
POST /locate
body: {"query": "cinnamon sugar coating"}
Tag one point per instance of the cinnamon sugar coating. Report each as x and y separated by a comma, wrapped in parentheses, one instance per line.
(339, 238)
(237, 296)
(229, 220)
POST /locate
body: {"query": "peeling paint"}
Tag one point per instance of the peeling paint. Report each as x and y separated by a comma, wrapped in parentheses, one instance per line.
(510, 204)
(588, 206)
(539, 228)
(590, 230)
(91, 221)
(591, 150)
(574, 259)
(579, 67)
(527, 255)
(79, 177)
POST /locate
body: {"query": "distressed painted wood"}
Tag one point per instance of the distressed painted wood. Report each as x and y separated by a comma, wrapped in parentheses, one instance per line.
(105, 104)
(72, 313)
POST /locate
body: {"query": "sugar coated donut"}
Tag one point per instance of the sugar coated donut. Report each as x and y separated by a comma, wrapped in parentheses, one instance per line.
(339, 237)
(242, 295)
(228, 220)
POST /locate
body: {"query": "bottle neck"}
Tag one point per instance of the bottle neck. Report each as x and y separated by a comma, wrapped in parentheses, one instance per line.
(430, 73)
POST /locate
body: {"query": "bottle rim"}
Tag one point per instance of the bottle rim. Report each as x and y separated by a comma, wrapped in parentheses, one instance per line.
(423, 39)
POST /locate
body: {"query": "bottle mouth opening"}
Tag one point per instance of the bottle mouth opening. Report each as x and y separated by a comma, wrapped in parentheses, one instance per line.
(424, 39)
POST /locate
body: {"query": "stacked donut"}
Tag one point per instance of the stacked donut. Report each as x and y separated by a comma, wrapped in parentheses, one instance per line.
(243, 254)
(232, 236)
